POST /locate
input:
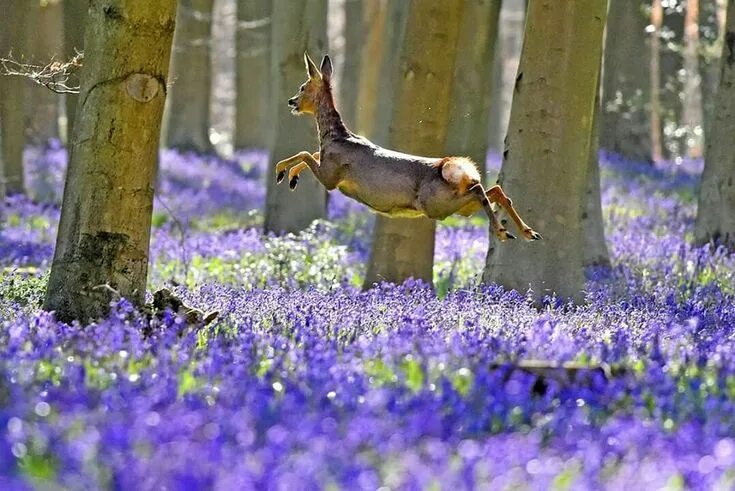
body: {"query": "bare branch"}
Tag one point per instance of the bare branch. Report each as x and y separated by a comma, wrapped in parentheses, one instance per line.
(57, 76)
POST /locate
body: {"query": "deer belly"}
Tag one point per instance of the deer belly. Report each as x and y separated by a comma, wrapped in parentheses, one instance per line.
(352, 190)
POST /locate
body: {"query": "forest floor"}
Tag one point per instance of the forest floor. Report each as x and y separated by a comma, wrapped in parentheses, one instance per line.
(306, 382)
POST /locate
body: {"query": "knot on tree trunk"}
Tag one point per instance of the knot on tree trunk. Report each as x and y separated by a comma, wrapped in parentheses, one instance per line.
(142, 87)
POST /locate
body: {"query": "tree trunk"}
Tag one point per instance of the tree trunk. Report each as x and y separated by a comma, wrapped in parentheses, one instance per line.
(354, 34)
(75, 18)
(404, 247)
(672, 80)
(42, 112)
(656, 126)
(692, 117)
(252, 106)
(470, 111)
(626, 86)
(376, 23)
(593, 227)
(716, 212)
(14, 93)
(712, 15)
(187, 110)
(547, 151)
(102, 245)
(298, 26)
(505, 67)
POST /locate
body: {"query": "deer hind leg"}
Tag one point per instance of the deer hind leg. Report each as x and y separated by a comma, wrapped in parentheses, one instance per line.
(496, 195)
(307, 157)
(500, 231)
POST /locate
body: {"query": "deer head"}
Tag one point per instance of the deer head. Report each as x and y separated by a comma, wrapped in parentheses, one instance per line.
(311, 92)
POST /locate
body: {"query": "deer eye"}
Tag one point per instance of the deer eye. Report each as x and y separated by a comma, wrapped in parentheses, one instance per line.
(301, 89)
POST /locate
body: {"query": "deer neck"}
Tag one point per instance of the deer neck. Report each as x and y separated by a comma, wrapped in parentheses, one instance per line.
(328, 121)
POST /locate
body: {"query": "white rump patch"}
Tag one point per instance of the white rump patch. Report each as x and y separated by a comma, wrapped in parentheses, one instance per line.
(460, 170)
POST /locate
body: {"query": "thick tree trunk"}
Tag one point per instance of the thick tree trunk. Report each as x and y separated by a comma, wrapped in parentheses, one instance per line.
(470, 111)
(626, 87)
(403, 247)
(14, 94)
(252, 106)
(298, 26)
(349, 84)
(376, 23)
(716, 213)
(42, 112)
(547, 151)
(692, 117)
(505, 67)
(712, 15)
(104, 231)
(75, 18)
(187, 110)
(593, 227)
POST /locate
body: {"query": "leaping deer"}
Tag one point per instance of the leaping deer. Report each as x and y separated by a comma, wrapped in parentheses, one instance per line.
(391, 183)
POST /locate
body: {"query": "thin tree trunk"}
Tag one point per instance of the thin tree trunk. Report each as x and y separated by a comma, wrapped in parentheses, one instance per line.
(716, 212)
(505, 67)
(75, 18)
(547, 153)
(298, 26)
(375, 21)
(187, 110)
(470, 111)
(103, 239)
(692, 117)
(252, 106)
(44, 105)
(672, 80)
(349, 83)
(404, 247)
(625, 120)
(14, 94)
(656, 129)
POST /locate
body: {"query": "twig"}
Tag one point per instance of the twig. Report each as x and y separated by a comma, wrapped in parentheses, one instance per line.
(56, 76)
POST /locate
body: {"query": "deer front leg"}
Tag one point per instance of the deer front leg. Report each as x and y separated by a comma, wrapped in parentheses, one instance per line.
(286, 163)
(498, 228)
(497, 195)
(293, 174)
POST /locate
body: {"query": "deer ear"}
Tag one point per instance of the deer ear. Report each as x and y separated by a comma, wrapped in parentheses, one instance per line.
(326, 68)
(311, 68)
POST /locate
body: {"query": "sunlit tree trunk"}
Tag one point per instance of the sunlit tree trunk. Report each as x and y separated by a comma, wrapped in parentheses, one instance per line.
(505, 67)
(656, 128)
(375, 17)
(404, 247)
(625, 122)
(349, 85)
(75, 18)
(716, 212)
(692, 117)
(187, 110)
(103, 239)
(546, 165)
(252, 105)
(298, 26)
(14, 95)
(470, 108)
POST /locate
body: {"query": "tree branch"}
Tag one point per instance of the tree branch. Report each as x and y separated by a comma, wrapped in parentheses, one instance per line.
(57, 76)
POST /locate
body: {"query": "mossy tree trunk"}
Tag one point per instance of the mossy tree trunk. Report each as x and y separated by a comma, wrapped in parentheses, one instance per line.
(187, 109)
(626, 95)
(470, 110)
(404, 247)
(75, 18)
(105, 223)
(547, 150)
(252, 104)
(716, 212)
(14, 92)
(298, 26)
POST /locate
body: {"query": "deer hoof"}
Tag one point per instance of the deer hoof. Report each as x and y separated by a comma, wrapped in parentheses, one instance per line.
(293, 182)
(530, 234)
(280, 176)
(504, 235)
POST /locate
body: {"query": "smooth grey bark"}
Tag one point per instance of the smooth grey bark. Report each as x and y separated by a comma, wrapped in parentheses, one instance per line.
(14, 96)
(505, 67)
(102, 244)
(404, 247)
(187, 109)
(471, 92)
(298, 26)
(716, 211)
(547, 156)
(75, 18)
(625, 119)
(349, 84)
(252, 100)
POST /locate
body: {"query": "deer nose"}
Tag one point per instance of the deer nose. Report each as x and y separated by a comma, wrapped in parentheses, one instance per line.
(292, 102)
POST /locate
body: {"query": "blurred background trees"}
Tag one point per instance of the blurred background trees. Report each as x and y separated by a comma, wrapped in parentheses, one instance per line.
(236, 62)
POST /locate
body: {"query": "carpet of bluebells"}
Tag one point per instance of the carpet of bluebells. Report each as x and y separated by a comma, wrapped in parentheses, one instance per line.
(306, 382)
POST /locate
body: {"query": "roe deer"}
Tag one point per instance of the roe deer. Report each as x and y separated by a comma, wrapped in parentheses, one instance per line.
(391, 183)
